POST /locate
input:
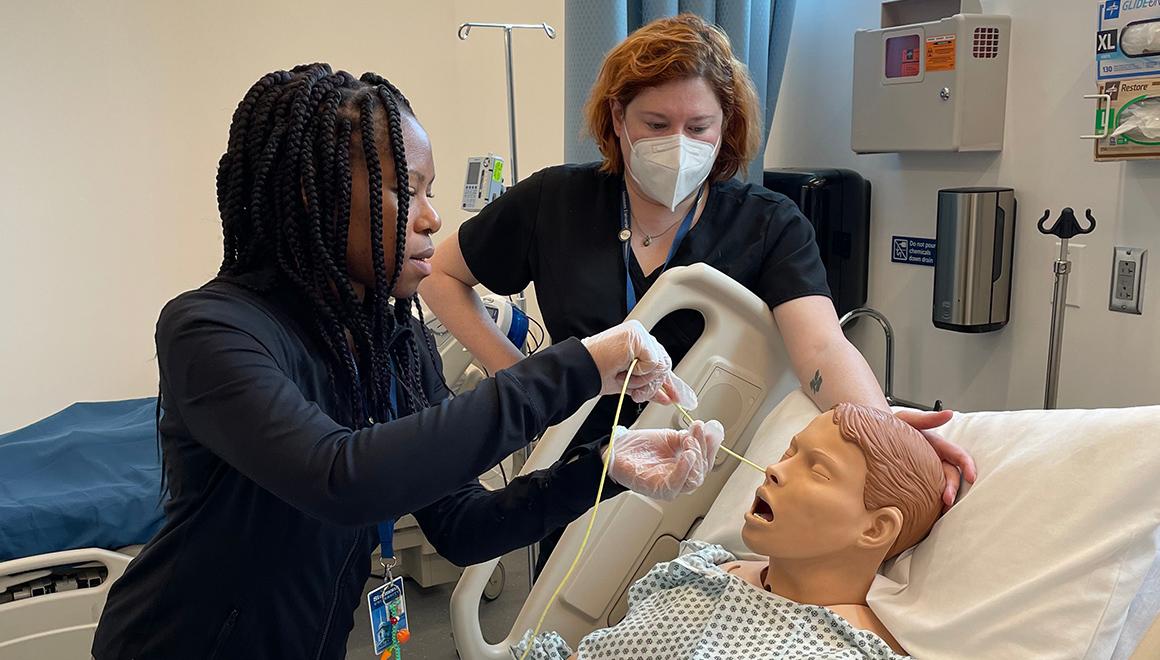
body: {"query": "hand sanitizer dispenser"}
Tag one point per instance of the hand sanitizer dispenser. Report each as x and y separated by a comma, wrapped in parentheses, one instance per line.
(972, 270)
(932, 78)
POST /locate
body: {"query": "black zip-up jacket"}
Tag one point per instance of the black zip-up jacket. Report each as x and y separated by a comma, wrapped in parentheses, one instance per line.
(273, 504)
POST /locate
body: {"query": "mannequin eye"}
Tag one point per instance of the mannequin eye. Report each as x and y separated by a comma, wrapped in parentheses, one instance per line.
(821, 474)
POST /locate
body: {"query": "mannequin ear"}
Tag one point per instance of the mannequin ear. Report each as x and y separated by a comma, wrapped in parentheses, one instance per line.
(882, 528)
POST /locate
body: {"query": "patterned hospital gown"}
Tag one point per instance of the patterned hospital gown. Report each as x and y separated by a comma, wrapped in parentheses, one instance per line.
(691, 608)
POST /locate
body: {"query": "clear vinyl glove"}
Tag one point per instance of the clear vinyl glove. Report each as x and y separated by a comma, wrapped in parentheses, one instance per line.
(652, 378)
(1140, 120)
(665, 463)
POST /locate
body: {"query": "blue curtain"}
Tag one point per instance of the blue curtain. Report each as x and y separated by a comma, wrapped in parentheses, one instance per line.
(758, 31)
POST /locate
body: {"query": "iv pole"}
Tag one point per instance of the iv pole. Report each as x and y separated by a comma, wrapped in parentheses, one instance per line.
(464, 30)
(507, 28)
(1065, 229)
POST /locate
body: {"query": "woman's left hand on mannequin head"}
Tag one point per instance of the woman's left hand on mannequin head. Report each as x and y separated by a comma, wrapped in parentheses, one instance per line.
(956, 460)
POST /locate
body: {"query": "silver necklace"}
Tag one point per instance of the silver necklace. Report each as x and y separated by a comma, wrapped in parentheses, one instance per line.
(647, 240)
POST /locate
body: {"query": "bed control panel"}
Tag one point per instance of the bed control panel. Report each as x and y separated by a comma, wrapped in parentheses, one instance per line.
(730, 396)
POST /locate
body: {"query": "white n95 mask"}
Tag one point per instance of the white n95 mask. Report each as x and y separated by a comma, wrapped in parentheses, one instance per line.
(668, 169)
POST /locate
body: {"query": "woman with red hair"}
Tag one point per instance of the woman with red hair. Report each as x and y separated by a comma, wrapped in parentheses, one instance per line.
(676, 118)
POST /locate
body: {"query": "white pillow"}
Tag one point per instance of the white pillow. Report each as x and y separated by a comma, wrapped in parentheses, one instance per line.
(1039, 559)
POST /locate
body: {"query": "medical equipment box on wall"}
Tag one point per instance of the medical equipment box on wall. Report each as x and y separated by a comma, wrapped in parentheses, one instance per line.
(1128, 123)
(1127, 39)
(1127, 80)
(932, 78)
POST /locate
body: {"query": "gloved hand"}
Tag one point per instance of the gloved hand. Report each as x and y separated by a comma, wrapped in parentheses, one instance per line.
(652, 378)
(664, 463)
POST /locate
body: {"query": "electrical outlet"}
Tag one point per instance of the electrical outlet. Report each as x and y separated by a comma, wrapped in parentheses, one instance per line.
(1128, 266)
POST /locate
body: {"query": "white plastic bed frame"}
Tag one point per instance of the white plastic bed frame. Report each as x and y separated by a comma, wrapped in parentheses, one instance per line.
(58, 626)
(740, 371)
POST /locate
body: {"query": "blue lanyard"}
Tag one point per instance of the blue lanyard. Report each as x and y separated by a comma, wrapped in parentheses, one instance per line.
(387, 539)
(387, 528)
(625, 231)
(392, 392)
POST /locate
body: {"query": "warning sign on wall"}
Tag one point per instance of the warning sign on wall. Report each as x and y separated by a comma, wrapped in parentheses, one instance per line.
(940, 53)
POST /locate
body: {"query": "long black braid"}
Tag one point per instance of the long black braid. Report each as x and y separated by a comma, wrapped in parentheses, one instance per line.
(284, 194)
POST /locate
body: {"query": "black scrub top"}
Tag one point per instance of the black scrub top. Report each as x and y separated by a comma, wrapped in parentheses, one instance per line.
(274, 491)
(559, 229)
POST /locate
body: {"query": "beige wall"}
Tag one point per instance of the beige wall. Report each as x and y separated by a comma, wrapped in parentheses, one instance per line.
(1110, 359)
(113, 119)
(115, 113)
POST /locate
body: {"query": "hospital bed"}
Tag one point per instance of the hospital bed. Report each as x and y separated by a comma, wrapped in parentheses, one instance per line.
(1099, 598)
(79, 492)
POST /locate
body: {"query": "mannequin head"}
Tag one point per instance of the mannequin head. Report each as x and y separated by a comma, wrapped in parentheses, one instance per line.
(856, 485)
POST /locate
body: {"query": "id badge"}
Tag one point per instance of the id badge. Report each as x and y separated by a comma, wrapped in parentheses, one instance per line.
(389, 628)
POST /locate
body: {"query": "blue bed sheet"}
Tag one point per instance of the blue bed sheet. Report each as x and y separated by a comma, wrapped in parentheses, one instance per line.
(89, 476)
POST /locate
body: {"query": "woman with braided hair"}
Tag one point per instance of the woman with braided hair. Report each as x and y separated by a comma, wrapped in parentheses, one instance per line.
(301, 406)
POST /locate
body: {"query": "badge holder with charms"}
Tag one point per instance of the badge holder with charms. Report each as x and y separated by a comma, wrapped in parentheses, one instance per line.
(390, 627)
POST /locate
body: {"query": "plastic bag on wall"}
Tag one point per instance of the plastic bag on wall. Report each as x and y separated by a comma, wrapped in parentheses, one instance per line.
(1141, 120)
(1141, 39)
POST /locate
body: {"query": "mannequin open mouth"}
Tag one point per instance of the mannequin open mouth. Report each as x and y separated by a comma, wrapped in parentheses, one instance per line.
(762, 510)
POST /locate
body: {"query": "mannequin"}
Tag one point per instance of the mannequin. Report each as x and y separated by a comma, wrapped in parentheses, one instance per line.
(855, 487)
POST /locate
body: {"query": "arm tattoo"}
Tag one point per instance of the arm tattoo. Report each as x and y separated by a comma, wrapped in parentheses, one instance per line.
(816, 383)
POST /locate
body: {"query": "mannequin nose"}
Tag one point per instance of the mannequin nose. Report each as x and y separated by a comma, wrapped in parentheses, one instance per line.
(772, 474)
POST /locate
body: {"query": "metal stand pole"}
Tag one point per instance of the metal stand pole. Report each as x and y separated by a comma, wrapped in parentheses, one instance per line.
(511, 90)
(464, 30)
(507, 28)
(1065, 228)
(1058, 308)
